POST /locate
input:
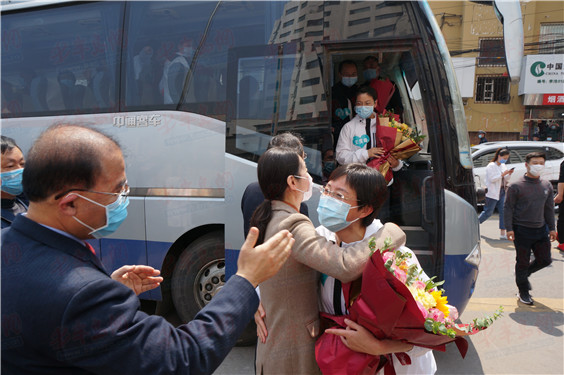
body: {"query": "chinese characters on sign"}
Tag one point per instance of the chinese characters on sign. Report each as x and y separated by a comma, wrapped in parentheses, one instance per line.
(137, 121)
(553, 99)
(542, 74)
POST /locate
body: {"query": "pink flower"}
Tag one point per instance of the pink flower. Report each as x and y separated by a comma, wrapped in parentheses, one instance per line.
(419, 284)
(437, 315)
(453, 312)
(400, 274)
(387, 255)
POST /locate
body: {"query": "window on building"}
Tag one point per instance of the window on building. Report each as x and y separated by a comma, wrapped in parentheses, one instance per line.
(492, 52)
(551, 40)
(492, 89)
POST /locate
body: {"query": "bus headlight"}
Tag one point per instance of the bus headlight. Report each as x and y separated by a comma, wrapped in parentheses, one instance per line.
(475, 256)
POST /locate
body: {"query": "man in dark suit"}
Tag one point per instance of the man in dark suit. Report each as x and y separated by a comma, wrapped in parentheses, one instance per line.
(61, 311)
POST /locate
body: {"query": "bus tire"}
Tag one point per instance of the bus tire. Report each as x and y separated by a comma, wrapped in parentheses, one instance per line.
(198, 275)
(198, 266)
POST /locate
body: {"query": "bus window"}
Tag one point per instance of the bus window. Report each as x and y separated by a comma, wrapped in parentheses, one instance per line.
(162, 40)
(61, 61)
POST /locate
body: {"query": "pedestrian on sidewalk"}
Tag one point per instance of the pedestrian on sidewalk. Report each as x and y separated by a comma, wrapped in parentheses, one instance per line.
(529, 219)
(497, 179)
(558, 199)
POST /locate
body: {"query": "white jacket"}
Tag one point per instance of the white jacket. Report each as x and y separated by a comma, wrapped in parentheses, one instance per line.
(422, 359)
(494, 179)
(351, 147)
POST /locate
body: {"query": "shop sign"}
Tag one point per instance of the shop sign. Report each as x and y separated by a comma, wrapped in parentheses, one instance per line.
(553, 99)
(542, 74)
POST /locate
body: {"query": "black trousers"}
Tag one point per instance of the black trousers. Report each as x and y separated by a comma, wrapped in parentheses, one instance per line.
(527, 240)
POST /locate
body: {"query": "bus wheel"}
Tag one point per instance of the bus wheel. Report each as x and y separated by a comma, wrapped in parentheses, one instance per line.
(198, 275)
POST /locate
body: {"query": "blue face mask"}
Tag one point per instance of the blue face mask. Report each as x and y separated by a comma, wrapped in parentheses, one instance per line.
(12, 182)
(116, 213)
(329, 166)
(503, 161)
(364, 111)
(332, 213)
(370, 74)
(349, 81)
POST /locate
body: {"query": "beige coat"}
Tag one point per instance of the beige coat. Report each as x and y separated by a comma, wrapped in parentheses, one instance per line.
(290, 298)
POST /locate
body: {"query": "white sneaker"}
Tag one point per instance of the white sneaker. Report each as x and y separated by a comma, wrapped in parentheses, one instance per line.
(502, 236)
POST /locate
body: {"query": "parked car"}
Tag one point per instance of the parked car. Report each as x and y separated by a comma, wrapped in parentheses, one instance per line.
(482, 155)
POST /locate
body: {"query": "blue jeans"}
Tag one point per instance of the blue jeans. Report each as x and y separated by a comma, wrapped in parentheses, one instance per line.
(491, 204)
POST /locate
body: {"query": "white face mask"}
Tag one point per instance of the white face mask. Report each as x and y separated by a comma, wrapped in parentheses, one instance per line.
(309, 192)
(536, 169)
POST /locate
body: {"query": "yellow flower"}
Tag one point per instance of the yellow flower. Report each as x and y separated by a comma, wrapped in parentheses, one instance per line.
(441, 302)
(422, 296)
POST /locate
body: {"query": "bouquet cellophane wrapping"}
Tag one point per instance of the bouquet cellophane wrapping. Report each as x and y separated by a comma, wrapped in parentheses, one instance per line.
(391, 140)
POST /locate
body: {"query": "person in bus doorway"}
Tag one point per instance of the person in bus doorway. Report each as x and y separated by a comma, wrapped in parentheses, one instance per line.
(342, 97)
(367, 187)
(290, 298)
(388, 95)
(253, 196)
(359, 139)
(77, 187)
(13, 200)
(497, 179)
(558, 200)
(529, 220)
(482, 136)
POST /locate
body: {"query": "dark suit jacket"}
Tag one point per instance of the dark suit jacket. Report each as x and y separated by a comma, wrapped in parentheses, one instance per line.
(63, 314)
(252, 198)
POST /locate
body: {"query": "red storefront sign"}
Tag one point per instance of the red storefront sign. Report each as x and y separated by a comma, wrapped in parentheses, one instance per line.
(553, 99)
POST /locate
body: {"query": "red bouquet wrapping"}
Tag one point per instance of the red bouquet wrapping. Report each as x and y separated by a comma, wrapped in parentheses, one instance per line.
(396, 144)
(387, 308)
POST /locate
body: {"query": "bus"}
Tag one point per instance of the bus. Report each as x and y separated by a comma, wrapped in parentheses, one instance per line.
(194, 91)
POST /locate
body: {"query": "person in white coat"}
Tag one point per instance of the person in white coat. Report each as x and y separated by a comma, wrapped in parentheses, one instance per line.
(361, 188)
(497, 178)
(358, 141)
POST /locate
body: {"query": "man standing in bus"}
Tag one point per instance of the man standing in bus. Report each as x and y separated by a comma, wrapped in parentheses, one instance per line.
(61, 310)
(343, 96)
(529, 221)
(175, 71)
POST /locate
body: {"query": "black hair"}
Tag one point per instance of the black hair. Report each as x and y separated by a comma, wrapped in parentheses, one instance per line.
(65, 156)
(370, 57)
(370, 186)
(345, 62)
(500, 152)
(531, 155)
(288, 140)
(367, 89)
(274, 167)
(8, 144)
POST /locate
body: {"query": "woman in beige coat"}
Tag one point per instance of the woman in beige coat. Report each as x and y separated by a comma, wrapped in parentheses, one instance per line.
(290, 297)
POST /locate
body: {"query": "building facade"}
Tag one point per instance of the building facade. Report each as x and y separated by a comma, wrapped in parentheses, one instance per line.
(503, 110)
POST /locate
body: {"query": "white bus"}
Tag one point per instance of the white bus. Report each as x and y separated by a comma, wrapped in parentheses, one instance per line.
(194, 91)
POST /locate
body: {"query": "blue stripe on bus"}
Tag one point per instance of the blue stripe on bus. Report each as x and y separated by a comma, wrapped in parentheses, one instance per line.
(115, 252)
(231, 256)
(462, 276)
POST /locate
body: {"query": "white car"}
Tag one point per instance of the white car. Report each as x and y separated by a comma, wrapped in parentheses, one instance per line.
(482, 155)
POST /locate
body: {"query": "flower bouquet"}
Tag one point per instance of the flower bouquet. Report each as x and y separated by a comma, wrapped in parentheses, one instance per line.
(399, 141)
(394, 303)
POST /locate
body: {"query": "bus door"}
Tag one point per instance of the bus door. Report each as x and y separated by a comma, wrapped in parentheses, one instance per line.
(415, 195)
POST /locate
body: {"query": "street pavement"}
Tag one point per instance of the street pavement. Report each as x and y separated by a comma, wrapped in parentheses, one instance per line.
(526, 340)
